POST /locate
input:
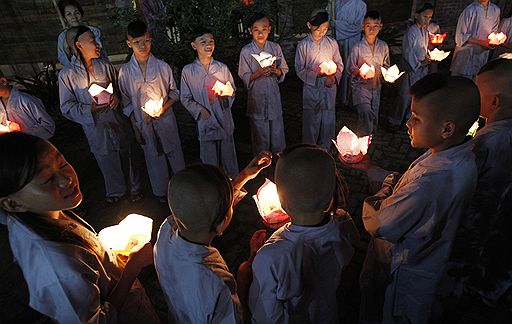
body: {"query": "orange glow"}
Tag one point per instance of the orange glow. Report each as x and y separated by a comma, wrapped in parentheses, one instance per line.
(328, 67)
(437, 39)
(367, 71)
(153, 108)
(269, 206)
(9, 127)
(497, 38)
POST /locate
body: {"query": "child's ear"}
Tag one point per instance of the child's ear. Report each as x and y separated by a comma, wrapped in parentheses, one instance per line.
(309, 25)
(193, 46)
(11, 205)
(496, 103)
(128, 43)
(449, 129)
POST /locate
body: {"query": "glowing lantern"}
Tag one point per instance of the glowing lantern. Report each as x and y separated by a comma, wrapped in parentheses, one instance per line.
(437, 55)
(269, 206)
(132, 231)
(153, 108)
(222, 89)
(473, 129)
(264, 59)
(497, 38)
(437, 39)
(328, 67)
(352, 149)
(9, 127)
(391, 74)
(100, 95)
(367, 71)
(507, 56)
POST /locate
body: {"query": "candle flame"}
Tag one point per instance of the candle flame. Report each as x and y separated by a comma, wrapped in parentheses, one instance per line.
(437, 39)
(269, 206)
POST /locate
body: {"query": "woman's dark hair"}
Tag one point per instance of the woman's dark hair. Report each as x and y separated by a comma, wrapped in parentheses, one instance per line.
(424, 7)
(64, 3)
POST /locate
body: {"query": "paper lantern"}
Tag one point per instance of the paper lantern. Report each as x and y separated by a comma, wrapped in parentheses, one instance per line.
(328, 67)
(496, 39)
(264, 59)
(367, 71)
(437, 55)
(473, 129)
(352, 149)
(507, 56)
(391, 74)
(269, 206)
(222, 89)
(132, 231)
(100, 95)
(437, 39)
(153, 107)
(9, 127)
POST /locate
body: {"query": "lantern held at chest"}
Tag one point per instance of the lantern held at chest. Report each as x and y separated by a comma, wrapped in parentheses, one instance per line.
(328, 68)
(264, 59)
(496, 39)
(367, 71)
(437, 39)
(392, 74)
(269, 206)
(222, 89)
(153, 107)
(438, 55)
(9, 127)
(100, 95)
(352, 149)
(132, 231)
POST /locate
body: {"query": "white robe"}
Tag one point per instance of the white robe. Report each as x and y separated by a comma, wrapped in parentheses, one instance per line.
(29, 112)
(476, 23)
(297, 272)
(64, 53)
(196, 281)
(412, 233)
(506, 28)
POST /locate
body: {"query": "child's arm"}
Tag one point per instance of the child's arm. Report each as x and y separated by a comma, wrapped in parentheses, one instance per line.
(307, 76)
(124, 88)
(352, 66)
(112, 74)
(70, 107)
(244, 69)
(187, 99)
(43, 125)
(174, 93)
(258, 163)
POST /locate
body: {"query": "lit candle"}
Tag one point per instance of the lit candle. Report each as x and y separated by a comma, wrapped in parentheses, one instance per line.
(391, 74)
(222, 89)
(367, 71)
(352, 149)
(132, 231)
(269, 206)
(437, 39)
(328, 68)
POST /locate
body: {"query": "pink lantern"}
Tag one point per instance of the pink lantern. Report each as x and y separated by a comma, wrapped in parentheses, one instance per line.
(9, 127)
(367, 71)
(352, 149)
(222, 89)
(100, 95)
(133, 230)
(269, 206)
(328, 68)
(496, 39)
(437, 39)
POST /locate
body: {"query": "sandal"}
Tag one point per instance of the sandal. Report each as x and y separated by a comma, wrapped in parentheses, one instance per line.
(112, 200)
(134, 197)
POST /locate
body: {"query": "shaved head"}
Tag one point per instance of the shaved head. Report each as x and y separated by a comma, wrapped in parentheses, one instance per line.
(495, 84)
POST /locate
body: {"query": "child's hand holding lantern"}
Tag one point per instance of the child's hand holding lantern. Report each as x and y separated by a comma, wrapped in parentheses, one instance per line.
(114, 101)
(330, 81)
(367, 72)
(141, 256)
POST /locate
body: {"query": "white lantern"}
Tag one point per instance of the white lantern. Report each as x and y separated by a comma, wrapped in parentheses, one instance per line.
(437, 55)
(153, 107)
(9, 127)
(352, 149)
(496, 39)
(269, 206)
(328, 67)
(100, 95)
(391, 74)
(264, 59)
(367, 71)
(132, 231)
(222, 89)
(473, 129)
(507, 56)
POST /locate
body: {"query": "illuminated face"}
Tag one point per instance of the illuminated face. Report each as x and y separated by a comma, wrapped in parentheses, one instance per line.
(204, 45)
(424, 127)
(317, 32)
(87, 45)
(72, 15)
(371, 27)
(487, 95)
(55, 186)
(260, 31)
(423, 18)
(141, 46)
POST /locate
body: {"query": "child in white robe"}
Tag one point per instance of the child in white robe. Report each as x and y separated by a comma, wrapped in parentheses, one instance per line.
(319, 89)
(196, 281)
(142, 79)
(211, 111)
(27, 111)
(264, 98)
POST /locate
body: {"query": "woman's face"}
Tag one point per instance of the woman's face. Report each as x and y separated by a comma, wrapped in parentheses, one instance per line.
(72, 15)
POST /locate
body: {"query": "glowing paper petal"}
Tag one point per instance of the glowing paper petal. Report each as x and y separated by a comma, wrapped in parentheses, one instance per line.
(437, 39)
(9, 127)
(367, 71)
(328, 67)
(264, 59)
(473, 129)
(132, 231)
(507, 56)
(351, 148)
(153, 108)
(100, 95)
(222, 89)
(391, 74)
(269, 206)
(497, 38)
(437, 55)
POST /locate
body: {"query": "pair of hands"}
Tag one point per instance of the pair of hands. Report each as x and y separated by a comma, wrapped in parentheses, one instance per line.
(140, 256)
(266, 71)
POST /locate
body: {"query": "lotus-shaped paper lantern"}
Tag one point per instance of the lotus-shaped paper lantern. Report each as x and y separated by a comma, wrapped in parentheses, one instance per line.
(100, 95)
(352, 149)
(507, 56)
(132, 231)
(269, 206)
(437, 39)
(328, 67)
(9, 127)
(438, 55)
(153, 107)
(264, 59)
(222, 89)
(367, 71)
(496, 39)
(391, 74)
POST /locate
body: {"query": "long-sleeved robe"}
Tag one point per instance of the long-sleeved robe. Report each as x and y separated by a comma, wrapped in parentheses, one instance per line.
(366, 93)
(264, 98)
(413, 228)
(506, 28)
(297, 272)
(29, 112)
(161, 137)
(475, 22)
(318, 101)
(107, 130)
(64, 54)
(196, 281)
(217, 146)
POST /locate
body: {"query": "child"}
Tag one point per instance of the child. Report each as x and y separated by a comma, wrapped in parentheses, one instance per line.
(25, 110)
(263, 99)
(366, 92)
(212, 111)
(297, 272)
(319, 90)
(196, 281)
(416, 60)
(104, 126)
(475, 23)
(413, 219)
(506, 28)
(145, 78)
(72, 13)
(71, 277)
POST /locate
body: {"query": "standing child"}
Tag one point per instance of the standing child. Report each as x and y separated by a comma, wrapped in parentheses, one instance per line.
(142, 79)
(263, 99)
(319, 90)
(26, 111)
(106, 129)
(366, 91)
(212, 111)
(413, 219)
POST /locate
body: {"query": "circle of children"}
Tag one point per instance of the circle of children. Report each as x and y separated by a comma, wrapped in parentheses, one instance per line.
(414, 219)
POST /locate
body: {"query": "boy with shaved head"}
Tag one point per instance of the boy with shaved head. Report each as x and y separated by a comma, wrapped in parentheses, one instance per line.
(413, 219)
(298, 270)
